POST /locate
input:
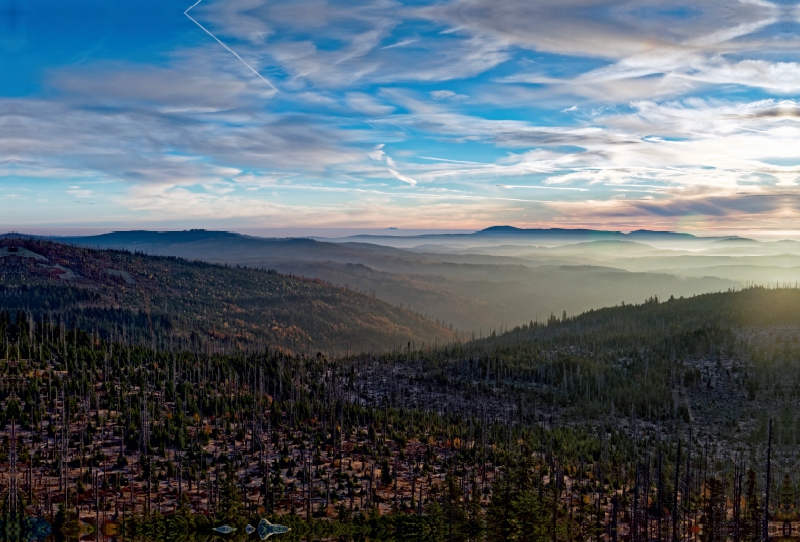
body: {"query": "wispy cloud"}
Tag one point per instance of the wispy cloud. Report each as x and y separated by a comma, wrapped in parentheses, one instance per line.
(576, 112)
(403, 178)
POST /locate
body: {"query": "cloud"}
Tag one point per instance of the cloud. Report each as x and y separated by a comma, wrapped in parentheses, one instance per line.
(604, 111)
(672, 74)
(145, 121)
(611, 29)
(401, 43)
(447, 95)
(186, 88)
(366, 104)
(377, 153)
(542, 187)
(403, 178)
(650, 48)
(716, 211)
(237, 19)
(79, 192)
(368, 45)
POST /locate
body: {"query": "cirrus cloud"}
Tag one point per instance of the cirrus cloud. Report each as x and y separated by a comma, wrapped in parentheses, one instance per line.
(583, 112)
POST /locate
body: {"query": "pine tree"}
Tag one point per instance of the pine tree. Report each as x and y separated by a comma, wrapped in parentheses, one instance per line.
(499, 514)
(455, 513)
(531, 520)
(753, 514)
(714, 512)
(230, 506)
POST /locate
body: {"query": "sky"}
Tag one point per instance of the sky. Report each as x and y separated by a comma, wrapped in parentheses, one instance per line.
(460, 114)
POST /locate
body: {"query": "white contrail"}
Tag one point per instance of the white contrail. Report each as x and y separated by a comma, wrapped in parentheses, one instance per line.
(226, 47)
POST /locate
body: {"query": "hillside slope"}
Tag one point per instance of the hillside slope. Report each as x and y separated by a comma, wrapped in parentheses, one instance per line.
(719, 365)
(171, 301)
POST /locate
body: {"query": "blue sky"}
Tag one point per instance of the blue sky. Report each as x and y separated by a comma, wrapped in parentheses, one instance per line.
(455, 114)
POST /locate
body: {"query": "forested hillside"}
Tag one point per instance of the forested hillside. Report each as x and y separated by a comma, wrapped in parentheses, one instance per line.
(680, 360)
(168, 302)
(642, 422)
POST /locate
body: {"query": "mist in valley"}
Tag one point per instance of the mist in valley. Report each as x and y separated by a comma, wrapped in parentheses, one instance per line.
(499, 277)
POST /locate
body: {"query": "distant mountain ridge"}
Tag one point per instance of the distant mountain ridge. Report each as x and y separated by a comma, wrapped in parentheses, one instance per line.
(128, 237)
(544, 235)
(589, 233)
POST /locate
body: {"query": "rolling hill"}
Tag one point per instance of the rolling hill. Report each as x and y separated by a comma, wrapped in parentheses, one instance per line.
(172, 302)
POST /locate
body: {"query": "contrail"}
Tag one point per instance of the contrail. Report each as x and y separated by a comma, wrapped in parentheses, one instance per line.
(226, 47)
